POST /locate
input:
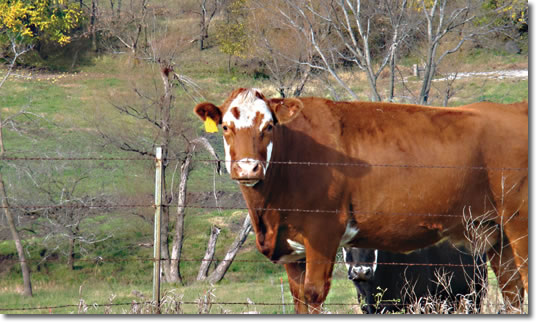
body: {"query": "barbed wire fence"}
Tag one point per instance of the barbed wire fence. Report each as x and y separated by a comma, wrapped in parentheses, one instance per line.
(155, 305)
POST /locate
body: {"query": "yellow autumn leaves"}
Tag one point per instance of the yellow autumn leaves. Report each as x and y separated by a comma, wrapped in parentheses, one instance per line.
(53, 18)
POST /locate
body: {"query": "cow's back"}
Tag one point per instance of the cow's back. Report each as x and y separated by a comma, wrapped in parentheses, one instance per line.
(396, 159)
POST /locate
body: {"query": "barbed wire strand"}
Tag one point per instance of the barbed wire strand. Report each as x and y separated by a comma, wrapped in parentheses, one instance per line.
(290, 162)
(336, 211)
(94, 305)
(100, 260)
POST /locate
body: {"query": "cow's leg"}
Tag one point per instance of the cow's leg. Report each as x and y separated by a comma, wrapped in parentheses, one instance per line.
(510, 194)
(514, 254)
(296, 279)
(320, 256)
(516, 229)
(510, 283)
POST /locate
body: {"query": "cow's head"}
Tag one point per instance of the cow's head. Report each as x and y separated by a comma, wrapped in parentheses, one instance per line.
(361, 263)
(248, 121)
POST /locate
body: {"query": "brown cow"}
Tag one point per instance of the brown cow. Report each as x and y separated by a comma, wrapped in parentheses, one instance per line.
(318, 174)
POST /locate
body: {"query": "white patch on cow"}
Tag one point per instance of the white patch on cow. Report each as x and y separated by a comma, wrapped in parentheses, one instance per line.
(298, 252)
(349, 234)
(268, 156)
(227, 156)
(345, 259)
(246, 166)
(291, 258)
(375, 265)
(297, 247)
(248, 104)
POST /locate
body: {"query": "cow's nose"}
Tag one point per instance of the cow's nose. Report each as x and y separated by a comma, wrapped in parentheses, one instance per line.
(248, 169)
(360, 273)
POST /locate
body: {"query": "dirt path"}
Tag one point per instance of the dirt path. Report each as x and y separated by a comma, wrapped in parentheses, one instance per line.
(499, 74)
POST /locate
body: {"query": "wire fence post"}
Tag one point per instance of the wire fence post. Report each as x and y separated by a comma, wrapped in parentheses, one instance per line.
(157, 221)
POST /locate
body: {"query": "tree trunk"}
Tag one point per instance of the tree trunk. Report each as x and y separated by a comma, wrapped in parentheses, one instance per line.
(392, 66)
(70, 254)
(92, 22)
(209, 254)
(372, 78)
(202, 37)
(27, 283)
(176, 250)
(14, 233)
(203, 25)
(165, 225)
(428, 74)
(218, 274)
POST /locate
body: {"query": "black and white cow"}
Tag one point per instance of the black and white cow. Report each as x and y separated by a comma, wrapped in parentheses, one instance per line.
(388, 283)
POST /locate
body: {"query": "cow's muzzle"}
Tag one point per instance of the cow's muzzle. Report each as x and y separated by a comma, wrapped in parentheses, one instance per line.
(247, 171)
(360, 273)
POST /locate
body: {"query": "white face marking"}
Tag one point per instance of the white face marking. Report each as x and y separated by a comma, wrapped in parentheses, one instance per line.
(345, 261)
(227, 156)
(248, 105)
(247, 164)
(375, 265)
(268, 156)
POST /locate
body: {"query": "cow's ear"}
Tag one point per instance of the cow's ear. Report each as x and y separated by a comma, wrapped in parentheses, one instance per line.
(286, 109)
(204, 110)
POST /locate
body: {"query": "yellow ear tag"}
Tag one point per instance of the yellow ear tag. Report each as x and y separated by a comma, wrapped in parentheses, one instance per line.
(210, 125)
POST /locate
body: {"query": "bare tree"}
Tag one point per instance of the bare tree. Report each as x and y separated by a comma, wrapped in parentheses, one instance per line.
(341, 32)
(312, 23)
(370, 35)
(172, 263)
(446, 26)
(16, 238)
(271, 44)
(61, 186)
(17, 49)
(440, 21)
(207, 10)
(154, 108)
(125, 23)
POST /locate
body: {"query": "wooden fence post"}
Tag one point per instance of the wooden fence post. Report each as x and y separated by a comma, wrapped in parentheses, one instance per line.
(157, 221)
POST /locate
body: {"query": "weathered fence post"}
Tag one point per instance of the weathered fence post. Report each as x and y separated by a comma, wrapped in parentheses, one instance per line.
(158, 211)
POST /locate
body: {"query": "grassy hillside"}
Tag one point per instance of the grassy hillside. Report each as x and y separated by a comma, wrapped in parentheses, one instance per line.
(67, 111)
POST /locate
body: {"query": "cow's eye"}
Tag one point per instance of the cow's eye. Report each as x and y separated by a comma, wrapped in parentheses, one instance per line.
(225, 128)
(269, 127)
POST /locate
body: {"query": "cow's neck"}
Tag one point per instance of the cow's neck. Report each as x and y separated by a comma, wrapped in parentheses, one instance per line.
(262, 200)
(264, 217)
